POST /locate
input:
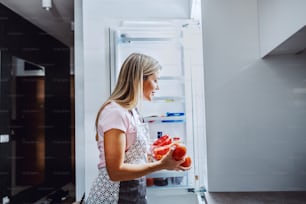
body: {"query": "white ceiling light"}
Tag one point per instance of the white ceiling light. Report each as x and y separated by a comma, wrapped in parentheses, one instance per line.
(46, 4)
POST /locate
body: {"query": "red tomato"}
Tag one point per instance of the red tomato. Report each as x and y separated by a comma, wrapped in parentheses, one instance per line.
(163, 140)
(179, 152)
(187, 162)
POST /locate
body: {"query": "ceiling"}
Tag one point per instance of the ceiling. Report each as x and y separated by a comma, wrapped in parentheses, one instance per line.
(58, 21)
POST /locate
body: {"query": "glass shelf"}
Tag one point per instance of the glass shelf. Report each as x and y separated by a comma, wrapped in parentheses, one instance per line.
(168, 179)
(167, 174)
(177, 78)
(164, 99)
(165, 119)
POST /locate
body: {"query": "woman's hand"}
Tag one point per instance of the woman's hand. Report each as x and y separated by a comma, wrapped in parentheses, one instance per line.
(182, 168)
(169, 163)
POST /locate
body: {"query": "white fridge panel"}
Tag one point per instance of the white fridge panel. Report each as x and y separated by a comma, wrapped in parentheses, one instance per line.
(168, 88)
(171, 69)
(168, 55)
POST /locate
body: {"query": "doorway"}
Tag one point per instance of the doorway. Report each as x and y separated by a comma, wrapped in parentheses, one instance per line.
(27, 125)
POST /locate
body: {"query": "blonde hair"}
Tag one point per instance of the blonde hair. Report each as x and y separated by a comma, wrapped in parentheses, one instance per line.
(129, 87)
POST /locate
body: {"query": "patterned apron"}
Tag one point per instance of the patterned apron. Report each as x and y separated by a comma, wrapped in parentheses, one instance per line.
(105, 191)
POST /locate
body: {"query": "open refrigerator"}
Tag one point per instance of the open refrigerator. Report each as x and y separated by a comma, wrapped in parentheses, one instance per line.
(178, 108)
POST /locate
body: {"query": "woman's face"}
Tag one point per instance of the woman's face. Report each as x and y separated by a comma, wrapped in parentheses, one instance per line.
(150, 85)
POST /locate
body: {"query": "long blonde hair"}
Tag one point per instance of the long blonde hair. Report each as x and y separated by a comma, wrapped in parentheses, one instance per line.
(129, 87)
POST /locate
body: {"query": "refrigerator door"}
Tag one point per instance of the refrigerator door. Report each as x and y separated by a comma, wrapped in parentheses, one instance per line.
(172, 111)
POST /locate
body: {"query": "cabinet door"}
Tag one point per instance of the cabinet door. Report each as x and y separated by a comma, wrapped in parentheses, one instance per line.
(5, 142)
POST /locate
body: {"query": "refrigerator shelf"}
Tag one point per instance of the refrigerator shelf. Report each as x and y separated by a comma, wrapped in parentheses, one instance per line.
(167, 174)
(166, 191)
(177, 78)
(174, 186)
(163, 99)
(165, 119)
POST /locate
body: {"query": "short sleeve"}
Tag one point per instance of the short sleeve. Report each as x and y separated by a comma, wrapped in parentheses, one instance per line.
(113, 118)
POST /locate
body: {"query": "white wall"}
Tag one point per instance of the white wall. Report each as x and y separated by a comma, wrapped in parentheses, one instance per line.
(278, 20)
(93, 83)
(255, 108)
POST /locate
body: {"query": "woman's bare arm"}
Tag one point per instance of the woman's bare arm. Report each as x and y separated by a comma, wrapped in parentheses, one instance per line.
(114, 147)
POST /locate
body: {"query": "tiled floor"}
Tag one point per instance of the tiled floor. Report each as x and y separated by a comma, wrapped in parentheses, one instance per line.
(219, 198)
(68, 199)
(257, 198)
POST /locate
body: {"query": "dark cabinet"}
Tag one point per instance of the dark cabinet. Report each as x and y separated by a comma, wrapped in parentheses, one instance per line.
(34, 111)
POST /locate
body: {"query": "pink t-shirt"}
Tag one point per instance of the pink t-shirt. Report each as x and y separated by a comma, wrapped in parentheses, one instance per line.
(114, 116)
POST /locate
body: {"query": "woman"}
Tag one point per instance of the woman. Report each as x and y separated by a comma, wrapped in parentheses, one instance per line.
(122, 137)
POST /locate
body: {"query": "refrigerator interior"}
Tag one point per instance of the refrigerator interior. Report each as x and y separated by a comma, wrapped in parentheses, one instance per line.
(172, 110)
